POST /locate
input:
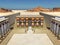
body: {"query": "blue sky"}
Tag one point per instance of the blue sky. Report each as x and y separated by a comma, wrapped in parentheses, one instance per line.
(28, 4)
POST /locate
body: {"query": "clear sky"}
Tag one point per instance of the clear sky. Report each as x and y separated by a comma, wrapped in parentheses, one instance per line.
(28, 4)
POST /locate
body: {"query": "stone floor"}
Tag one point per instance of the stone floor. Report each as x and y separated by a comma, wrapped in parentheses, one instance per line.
(30, 39)
(38, 30)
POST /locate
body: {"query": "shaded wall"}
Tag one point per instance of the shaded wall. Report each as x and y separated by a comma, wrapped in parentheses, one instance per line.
(11, 18)
(47, 19)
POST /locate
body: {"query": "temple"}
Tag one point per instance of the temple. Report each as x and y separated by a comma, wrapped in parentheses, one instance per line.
(39, 26)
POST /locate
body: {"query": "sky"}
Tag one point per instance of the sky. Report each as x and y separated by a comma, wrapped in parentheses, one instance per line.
(28, 4)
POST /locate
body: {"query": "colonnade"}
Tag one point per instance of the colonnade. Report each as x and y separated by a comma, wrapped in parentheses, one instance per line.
(4, 28)
(30, 21)
(55, 27)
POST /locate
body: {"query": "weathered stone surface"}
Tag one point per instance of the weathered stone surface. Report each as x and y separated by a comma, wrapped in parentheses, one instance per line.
(2, 10)
(56, 9)
(38, 9)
